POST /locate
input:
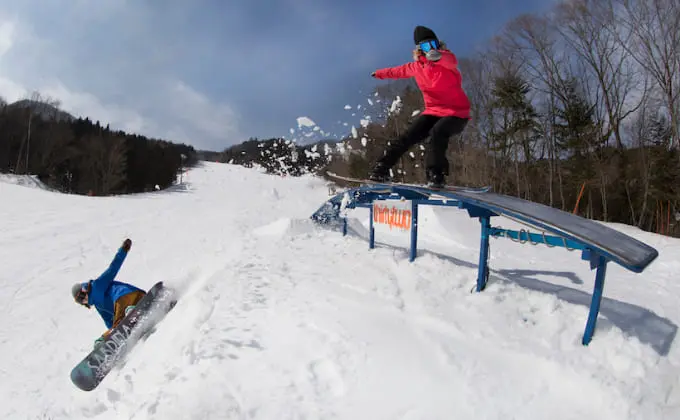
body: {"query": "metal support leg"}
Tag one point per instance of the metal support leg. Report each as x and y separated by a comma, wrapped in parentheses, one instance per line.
(371, 230)
(595, 302)
(483, 273)
(414, 230)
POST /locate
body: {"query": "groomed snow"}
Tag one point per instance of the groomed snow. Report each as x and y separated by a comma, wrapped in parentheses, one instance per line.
(281, 319)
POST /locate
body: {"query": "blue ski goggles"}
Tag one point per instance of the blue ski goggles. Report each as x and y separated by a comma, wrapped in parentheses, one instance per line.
(81, 297)
(426, 46)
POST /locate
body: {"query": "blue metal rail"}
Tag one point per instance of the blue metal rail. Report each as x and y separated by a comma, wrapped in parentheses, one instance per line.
(598, 243)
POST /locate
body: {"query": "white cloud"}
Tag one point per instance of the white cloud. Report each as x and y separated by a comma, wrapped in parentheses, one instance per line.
(201, 118)
(147, 104)
(83, 104)
(6, 36)
(10, 90)
(176, 112)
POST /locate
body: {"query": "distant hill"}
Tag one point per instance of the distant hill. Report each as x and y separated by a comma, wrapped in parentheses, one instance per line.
(208, 155)
(79, 156)
(44, 110)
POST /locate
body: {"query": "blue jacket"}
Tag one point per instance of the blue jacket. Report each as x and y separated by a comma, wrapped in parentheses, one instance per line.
(104, 292)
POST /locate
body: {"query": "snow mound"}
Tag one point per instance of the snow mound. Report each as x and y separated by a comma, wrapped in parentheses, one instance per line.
(30, 181)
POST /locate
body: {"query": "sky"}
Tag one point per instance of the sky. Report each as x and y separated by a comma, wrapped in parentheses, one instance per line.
(213, 73)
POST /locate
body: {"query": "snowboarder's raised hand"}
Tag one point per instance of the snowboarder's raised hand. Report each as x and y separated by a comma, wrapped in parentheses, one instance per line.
(127, 244)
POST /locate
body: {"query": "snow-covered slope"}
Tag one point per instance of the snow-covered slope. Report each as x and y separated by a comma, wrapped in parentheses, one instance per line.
(24, 180)
(280, 319)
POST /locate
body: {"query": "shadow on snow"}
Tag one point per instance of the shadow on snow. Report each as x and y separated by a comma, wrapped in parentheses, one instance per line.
(633, 320)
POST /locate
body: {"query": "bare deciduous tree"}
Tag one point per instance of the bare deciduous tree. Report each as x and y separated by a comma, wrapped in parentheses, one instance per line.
(589, 28)
(37, 105)
(536, 39)
(654, 42)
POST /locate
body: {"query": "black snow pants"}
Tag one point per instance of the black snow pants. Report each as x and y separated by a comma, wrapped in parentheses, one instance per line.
(439, 129)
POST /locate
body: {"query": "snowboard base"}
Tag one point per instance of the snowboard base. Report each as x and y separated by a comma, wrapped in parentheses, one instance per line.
(136, 325)
(451, 188)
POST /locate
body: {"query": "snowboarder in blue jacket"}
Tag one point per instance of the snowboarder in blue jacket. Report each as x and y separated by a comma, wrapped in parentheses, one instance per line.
(112, 299)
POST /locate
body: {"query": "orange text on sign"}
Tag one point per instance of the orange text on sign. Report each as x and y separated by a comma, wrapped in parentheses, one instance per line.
(392, 217)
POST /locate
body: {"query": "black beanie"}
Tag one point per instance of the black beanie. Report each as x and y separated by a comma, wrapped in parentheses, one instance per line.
(421, 33)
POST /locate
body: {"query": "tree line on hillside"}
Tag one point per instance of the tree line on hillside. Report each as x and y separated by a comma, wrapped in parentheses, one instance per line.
(577, 108)
(76, 155)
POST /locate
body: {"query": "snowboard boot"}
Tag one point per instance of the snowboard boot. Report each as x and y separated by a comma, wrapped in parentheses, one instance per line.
(435, 179)
(380, 173)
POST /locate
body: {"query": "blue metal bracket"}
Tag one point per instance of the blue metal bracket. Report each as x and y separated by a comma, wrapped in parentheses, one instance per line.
(600, 263)
(371, 230)
(414, 230)
(483, 269)
(475, 211)
(523, 236)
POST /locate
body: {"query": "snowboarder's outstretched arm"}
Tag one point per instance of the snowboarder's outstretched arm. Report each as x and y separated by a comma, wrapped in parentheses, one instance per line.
(103, 281)
(399, 72)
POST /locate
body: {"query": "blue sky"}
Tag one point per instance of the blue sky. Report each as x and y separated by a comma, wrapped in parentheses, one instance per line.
(214, 73)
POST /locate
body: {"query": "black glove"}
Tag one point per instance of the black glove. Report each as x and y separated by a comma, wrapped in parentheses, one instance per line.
(127, 244)
(373, 74)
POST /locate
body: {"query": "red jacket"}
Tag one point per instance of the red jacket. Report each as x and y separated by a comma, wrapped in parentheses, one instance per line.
(439, 81)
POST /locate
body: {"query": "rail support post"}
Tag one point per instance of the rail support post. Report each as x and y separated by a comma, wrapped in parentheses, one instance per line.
(371, 229)
(414, 230)
(601, 263)
(483, 273)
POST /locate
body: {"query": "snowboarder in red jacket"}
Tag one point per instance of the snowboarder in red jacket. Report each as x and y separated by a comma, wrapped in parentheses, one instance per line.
(112, 299)
(447, 108)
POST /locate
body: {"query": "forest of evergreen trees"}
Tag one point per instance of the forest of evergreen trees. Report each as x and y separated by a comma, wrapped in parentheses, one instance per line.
(81, 157)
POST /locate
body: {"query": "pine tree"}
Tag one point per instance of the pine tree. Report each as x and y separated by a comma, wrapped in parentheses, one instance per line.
(518, 131)
(575, 129)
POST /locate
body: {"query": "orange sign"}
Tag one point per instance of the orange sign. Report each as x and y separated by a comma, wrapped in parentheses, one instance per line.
(395, 216)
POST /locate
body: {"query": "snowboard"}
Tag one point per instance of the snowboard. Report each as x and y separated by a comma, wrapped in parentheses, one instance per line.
(137, 324)
(451, 188)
